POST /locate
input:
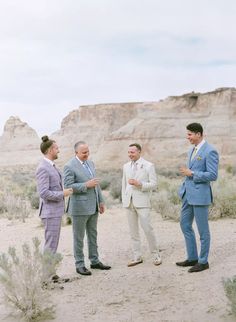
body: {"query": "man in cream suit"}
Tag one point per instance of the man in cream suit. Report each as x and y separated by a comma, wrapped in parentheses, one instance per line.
(196, 195)
(139, 179)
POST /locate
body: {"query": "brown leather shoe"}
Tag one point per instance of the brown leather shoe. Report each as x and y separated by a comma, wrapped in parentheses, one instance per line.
(198, 268)
(187, 263)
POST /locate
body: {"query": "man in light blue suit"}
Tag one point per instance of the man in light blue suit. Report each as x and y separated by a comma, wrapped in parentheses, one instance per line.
(196, 195)
(84, 205)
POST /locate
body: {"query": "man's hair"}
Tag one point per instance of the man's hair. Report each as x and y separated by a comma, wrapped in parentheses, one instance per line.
(77, 144)
(46, 144)
(195, 128)
(138, 146)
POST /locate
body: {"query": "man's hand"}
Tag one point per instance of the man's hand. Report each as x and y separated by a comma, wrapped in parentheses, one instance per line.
(185, 172)
(135, 183)
(67, 192)
(92, 183)
(101, 208)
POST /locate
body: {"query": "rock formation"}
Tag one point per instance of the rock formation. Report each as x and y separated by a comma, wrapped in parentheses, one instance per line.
(159, 126)
(19, 143)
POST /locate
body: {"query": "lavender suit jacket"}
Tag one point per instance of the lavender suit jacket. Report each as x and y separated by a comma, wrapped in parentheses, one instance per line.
(50, 189)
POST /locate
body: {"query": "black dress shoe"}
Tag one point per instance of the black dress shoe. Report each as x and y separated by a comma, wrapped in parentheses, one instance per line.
(58, 279)
(187, 263)
(198, 268)
(83, 271)
(100, 265)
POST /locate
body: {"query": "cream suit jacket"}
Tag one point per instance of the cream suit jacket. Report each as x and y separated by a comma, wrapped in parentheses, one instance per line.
(146, 174)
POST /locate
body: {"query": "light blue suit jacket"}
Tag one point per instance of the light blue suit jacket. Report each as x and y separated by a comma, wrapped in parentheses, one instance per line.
(83, 201)
(205, 167)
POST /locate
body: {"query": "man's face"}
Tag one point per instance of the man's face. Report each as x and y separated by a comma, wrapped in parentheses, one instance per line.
(53, 151)
(83, 152)
(194, 138)
(133, 153)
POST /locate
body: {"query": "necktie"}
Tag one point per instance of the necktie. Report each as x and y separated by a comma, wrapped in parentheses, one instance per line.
(56, 169)
(87, 169)
(194, 153)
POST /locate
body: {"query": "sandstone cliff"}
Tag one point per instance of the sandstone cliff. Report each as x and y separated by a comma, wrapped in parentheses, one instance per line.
(19, 143)
(110, 128)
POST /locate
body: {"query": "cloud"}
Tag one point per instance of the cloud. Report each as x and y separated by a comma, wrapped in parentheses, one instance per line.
(57, 55)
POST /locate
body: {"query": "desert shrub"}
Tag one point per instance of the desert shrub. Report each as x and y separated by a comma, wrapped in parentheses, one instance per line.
(230, 169)
(230, 290)
(16, 207)
(166, 200)
(104, 184)
(111, 180)
(224, 192)
(19, 193)
(3, 208)
(115, 189)
(168, 173)
(22, 278)
(161, 203)
(34, 200)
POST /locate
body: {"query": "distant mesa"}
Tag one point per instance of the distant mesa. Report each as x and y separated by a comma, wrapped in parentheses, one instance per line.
(109, 128)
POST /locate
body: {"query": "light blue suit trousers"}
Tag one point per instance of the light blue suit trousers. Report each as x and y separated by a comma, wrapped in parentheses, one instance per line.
(200, 213)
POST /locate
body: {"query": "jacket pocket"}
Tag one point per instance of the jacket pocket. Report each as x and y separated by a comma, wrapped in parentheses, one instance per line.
(81, 197)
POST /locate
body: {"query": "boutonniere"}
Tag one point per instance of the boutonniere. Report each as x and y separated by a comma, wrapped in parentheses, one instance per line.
(141, 167)
(199, 158)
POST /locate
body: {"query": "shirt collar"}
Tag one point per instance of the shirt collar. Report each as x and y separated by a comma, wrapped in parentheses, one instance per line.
(137, 161)
(200, 144)
(49, 161)
(82, 162)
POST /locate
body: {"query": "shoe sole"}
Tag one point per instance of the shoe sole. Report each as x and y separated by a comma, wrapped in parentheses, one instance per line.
(157, 263)
(134, 263)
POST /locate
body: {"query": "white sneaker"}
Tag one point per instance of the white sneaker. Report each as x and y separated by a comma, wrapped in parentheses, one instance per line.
(135, 262)
(157, 260)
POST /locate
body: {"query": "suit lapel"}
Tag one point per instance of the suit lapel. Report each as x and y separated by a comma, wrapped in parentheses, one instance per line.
(82, 170)
(199, 154)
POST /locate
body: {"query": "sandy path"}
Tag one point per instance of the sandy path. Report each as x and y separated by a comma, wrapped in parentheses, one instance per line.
(142, 293)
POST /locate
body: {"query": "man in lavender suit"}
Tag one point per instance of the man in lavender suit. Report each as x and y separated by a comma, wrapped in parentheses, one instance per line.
(50, 188)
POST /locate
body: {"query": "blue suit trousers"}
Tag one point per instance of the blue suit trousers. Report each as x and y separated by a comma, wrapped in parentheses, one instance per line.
(200, 213)
(80, 225)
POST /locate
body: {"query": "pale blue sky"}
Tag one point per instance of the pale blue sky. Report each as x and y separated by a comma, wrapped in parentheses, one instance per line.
(57, 55)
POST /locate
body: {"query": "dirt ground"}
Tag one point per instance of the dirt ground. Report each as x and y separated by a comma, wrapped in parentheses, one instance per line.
(143, 293)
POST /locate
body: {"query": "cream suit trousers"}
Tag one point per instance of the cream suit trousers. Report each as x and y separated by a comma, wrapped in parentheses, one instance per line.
(142, 215)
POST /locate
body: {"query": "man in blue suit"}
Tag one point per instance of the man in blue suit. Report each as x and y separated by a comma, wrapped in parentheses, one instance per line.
(84, 205)
(196, 195)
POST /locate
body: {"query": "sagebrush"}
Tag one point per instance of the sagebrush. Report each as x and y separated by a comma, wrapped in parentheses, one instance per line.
(230, 290)
(23, 277)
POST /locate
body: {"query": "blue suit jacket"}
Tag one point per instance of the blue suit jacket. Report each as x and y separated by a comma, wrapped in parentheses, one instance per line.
(83, 201)
(205, 167)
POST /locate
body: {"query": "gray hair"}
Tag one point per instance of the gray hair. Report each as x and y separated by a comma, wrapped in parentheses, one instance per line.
(77, 144)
